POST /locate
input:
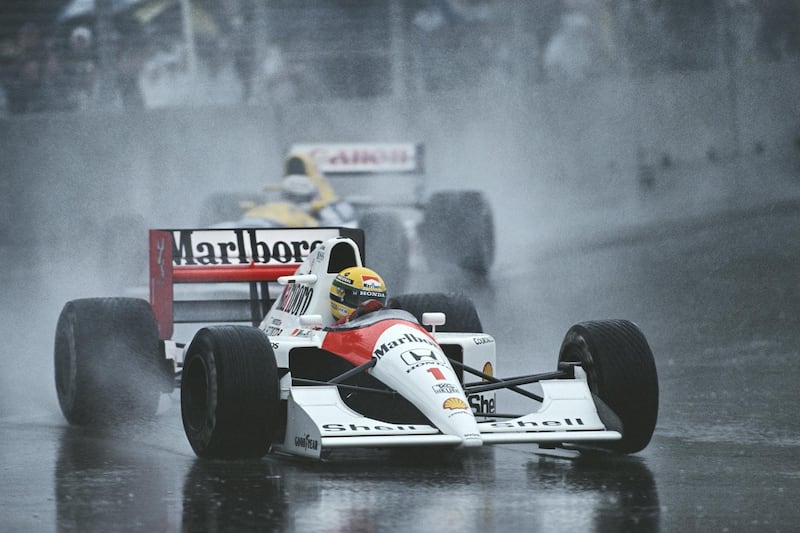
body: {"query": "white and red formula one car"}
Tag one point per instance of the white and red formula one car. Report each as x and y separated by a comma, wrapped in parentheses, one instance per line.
(419, 372)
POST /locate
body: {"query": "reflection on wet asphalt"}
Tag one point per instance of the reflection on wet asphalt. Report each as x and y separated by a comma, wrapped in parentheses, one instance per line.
(104, 480)
(234, 496)
(717, 301)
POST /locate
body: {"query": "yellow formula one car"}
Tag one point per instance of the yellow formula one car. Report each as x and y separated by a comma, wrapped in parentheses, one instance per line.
(386, 188)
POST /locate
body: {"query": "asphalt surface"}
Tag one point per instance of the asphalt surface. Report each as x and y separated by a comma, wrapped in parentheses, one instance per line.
(716, 294)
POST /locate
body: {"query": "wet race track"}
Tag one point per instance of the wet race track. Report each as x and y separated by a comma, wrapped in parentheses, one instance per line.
(717, 297)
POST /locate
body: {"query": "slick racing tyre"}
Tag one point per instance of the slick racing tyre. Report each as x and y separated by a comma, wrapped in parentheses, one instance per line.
(458, 226)
(230, 395)
(108, 365)
(460, 313)
(621, 372)
(386, 247)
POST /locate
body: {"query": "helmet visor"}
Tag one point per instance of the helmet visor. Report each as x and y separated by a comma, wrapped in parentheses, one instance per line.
(352, 297)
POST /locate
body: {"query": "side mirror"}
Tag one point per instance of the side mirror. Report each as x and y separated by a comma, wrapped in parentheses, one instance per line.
(433, 320)
(308, 279)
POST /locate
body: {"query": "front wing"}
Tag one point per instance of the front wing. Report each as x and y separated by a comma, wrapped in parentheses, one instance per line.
(319, 421)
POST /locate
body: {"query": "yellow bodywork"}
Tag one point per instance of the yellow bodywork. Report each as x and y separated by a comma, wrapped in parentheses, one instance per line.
(286, 213)
(283, 213)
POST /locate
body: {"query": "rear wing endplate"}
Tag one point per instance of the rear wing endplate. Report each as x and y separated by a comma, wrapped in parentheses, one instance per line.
(250, 256)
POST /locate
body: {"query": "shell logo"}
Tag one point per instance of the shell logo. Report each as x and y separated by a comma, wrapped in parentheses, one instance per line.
(487, 369)
(454, 403)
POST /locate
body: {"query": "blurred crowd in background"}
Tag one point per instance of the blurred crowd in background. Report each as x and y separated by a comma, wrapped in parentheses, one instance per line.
(73, 55)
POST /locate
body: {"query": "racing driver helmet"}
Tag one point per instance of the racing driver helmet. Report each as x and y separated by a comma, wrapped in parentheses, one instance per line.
(298, 189)
(353, 286)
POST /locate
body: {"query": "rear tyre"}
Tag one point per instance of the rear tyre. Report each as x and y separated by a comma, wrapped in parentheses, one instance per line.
(387, 247)
(459, 226)
(621, 372)
(230, 393)
(108, 366)
(461, 315)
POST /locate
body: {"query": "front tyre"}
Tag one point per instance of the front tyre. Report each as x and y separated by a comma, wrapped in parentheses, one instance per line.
(387, 247)
(621, 372)
(230, 394)
(108, 366)
(458, 226)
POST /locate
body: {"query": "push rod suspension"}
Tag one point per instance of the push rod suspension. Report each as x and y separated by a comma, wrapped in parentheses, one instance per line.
(511, 384)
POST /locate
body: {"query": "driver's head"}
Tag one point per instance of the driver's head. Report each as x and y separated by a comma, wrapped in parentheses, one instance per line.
(353, 286)
(298, 189)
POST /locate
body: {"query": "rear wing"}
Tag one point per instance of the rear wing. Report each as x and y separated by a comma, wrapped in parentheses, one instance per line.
(250, 257)
(386, 164)
(360, 158)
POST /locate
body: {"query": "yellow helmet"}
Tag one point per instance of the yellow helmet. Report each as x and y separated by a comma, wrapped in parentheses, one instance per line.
(353, 286)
